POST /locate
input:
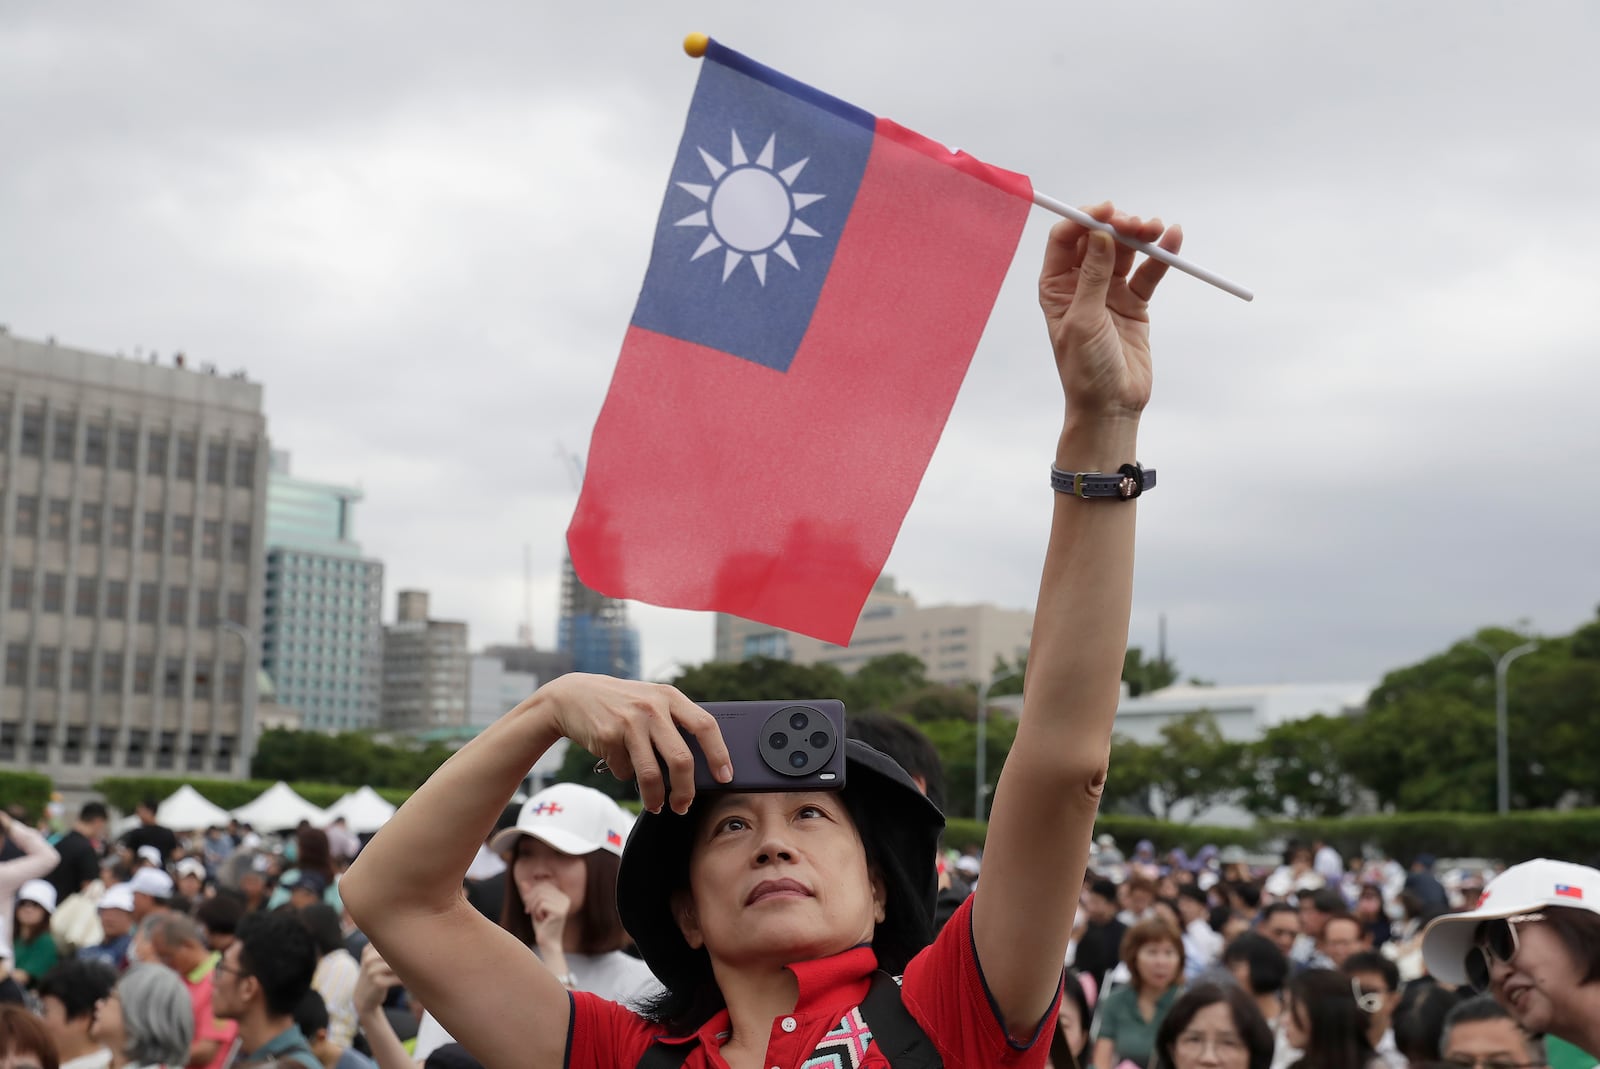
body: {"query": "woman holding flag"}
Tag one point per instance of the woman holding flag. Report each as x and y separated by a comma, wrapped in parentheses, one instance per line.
(765, 915)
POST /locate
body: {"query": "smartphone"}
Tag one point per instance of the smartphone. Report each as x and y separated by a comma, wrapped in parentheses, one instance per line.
(776, 746)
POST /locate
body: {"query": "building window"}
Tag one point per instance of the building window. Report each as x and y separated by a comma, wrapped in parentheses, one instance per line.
(224, 753)
(27, 522)
(39, 752)
(202, 684)
(172, 678)
(116, 599)
(8, 741)
(111, 673)
(211, 539)
(232, 682)
(21, 588)
(182, 535)
(155, 455)
(78, 676)
(104, 740)
(177, 605)
(49, 668)
(151, 542)
(91, 514)
(65, 441)
(144, 669)
(16, 664)
(164, 752)
(217, 463)
(32, 444)
(236, 607)
(187, 457)
(239, 543)
(197, 753)
(72, 754)
(138, 739)
(127, 449)
(58, 519)
(207, 609)
(94, 445)
(5, 424)
(121, 527)
(83, 598)
(149, 603)
(55, 592)
(244, 466)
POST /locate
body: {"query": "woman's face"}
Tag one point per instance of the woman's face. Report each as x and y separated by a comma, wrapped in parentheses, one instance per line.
(106, 1028)
(1211, 1041)
(1538, 986)
(1156, 965)
(537, 862)
(1070, 1023)
(31, 914)
(1370, 904)
(1296, 1028)
(776, 878)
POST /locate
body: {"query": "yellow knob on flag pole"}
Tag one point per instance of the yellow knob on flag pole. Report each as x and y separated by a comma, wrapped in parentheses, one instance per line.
(695, 44)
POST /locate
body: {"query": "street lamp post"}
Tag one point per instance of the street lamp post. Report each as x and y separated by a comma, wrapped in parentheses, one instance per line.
(981, 778)
(1502, 666)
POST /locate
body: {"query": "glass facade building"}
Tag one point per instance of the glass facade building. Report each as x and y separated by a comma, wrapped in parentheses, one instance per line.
(322, 630)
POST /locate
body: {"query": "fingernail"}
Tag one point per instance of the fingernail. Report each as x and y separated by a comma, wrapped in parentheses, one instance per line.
(725, 774)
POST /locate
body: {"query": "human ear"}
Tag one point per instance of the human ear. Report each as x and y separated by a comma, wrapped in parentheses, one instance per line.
(688, 919)
(880, 897)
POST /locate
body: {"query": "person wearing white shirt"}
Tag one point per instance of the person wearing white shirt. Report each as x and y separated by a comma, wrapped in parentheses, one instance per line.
(1202, 946)
(39, 859)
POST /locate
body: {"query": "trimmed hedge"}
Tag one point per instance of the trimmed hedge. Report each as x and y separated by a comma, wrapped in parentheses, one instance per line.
(128, 791)
(1571, 835)
(960, 833)
(30, 790)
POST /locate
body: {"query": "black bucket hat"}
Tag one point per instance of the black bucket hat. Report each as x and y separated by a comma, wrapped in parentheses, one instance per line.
(898, 825)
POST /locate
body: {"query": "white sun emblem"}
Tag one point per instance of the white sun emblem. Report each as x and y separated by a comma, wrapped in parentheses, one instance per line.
(749, 209)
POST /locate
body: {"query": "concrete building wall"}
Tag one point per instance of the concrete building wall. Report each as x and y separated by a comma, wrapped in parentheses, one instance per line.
(425, 671)
(132, 507)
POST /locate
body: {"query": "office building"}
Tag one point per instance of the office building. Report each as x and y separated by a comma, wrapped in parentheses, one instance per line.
(322, 629)
(425, 669)
(132, 511)
(594, 629)
(955, 643)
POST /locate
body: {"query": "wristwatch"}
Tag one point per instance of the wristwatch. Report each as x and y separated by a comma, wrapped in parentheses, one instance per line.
(1124, 484)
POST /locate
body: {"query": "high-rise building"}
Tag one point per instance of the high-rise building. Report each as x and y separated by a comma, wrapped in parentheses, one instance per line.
(132, 510)
(956, 643)
(594, 629)
(322, 630)
(425, 669)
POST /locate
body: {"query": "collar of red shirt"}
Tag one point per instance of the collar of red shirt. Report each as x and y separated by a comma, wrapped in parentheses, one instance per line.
(829, 987)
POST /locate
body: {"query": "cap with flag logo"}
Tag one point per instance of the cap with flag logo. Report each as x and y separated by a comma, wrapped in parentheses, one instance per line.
(1525, 888)
(571, 818)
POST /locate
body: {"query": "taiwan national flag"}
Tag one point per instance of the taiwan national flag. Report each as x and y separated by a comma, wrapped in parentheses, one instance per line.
(1565, 890)
(819, 280)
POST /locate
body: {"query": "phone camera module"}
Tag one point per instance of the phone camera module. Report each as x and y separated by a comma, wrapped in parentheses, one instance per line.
(798, 759)
(819, 739)
(797, 740)
(778, 740)
(798, 721)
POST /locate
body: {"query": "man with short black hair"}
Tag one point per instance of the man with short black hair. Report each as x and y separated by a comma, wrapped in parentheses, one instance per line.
(1376, 982)
(1341, 937)
(1202, 946)
(1315, 909)
(1280, 922)
(1100, 944)
(68, 995)
(1480, 1033)
(260, 980)
(80, 852)
(149, 833)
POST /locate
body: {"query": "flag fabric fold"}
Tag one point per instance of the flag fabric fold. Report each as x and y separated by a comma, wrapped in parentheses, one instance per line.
(818, 283)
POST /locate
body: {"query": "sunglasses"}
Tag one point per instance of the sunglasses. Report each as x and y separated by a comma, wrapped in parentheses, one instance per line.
(1495, 940)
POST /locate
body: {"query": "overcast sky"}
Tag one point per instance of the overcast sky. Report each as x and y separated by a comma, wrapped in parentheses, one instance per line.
(423, 228)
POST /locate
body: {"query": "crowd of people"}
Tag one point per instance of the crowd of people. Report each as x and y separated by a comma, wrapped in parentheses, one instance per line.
(739, 923)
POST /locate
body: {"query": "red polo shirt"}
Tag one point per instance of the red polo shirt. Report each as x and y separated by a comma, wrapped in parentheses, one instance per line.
(943, 989)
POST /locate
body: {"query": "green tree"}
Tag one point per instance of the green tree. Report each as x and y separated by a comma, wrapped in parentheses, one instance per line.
(1301, 768)
(1191, 763)
(1143, 676)
(1008, 675)
(884, 681)
(761, 678)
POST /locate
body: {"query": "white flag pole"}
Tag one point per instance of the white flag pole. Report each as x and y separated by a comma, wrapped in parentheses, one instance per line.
(1169, 258)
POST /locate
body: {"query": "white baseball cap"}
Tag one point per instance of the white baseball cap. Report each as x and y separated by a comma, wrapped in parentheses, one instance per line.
(571, 818)
(150, 854)
(1524, 888)
(191, 866)
(117, 896)
(152, 882)
(40, 892)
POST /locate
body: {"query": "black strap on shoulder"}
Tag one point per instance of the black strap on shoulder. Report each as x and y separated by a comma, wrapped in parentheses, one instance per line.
(894, 1031)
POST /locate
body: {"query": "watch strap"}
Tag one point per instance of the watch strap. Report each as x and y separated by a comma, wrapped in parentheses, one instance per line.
(1124, 484)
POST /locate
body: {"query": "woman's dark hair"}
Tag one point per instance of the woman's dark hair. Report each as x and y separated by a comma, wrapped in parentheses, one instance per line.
(1579, 932)
(1142, 935)
(28, 931)
(312, 853)
(1418, 1020)
(322, 922)
(1061, 1056)
(598, 920)
(1247, 1021)
(22, 1032)
(1268, 966)
(1336, 1028)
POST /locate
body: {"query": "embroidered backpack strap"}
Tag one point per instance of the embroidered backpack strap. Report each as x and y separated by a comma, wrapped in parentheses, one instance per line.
(665, 1056)
(896, 1033)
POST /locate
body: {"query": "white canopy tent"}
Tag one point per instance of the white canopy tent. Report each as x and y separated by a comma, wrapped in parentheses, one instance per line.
(278, 808)
(186, 809)
(364, 811)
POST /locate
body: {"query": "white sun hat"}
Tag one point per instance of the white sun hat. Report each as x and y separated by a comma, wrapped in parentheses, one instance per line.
(1525, 888)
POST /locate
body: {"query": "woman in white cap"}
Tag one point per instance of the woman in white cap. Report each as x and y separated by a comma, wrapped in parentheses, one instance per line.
(1532, 941)
(562, 858)
(38, 860)
(33, 948)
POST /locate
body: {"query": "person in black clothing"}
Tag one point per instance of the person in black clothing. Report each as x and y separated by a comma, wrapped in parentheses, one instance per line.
(1100, 945)
(80, 852)
(149, 833)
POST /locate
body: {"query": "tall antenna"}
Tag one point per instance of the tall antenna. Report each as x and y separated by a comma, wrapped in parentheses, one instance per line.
(525, 631)
(1161, 642)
